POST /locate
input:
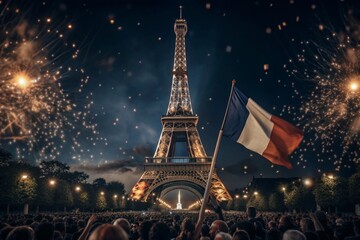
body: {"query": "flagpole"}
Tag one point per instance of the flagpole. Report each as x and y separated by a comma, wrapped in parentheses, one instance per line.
(213, 161)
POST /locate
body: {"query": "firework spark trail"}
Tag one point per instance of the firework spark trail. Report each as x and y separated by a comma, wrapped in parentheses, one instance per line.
(331, 111)
(34, 108)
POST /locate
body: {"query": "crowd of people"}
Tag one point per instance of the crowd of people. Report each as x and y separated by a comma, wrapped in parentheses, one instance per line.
(248, 225)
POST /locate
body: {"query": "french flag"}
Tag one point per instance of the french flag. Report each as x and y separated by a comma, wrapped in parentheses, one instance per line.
(250, 125)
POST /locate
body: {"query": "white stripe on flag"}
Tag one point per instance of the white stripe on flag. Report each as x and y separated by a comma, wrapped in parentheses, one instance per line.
(257, 130)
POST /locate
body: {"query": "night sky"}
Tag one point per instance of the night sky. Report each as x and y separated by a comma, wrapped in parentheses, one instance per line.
(126, 49)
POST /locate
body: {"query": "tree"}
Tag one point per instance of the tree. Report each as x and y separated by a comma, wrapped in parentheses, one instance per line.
(99, 182)
(276, 202)
(299, 198)
(63, 195)
(26, 191)
(331, 191)
(5, 157)
(354, 188)
(258, 201)
(53, 169)
(45, 196)
(75, 177)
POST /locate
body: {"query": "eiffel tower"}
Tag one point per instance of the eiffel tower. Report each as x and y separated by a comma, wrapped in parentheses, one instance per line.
(180, 160)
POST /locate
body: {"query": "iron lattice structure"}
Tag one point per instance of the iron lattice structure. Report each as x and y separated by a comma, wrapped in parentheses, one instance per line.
(166, 171)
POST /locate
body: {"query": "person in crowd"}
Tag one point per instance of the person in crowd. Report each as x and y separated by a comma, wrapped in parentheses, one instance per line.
(159, 231)
(251, 213)
(241, 235)
(218, 226)
(45, 231)
(187, 230)
(124, 224)
(293, 235)
(223, 236)
(144, 230)
(109, 232)
(21, 233)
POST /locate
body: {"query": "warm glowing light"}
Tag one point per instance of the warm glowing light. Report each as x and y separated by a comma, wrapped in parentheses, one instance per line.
(21, 80)
(52, 182)
(123, 197)
(237, 196)
(77, 189)
(102, 193)
(115, 196)
(284, 189)
(24, 176)
(354, 86)
(307, 182)
(330, 176)
(245, 196)
(256, 193)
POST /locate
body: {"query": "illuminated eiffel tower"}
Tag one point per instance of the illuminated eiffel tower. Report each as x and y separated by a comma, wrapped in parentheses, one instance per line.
(180, 160)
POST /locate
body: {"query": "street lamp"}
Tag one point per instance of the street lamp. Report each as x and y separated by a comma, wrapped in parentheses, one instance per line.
(115, 196)
(307, 182)
(256, 193)
(283, 189)
(77, 189)
(330, 176)
(245, 196)
(52, 182)
(237, 196)
(102, 193)
(24, 176)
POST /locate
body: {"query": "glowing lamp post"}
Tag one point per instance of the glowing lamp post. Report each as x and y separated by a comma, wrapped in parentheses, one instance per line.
(52, 182)
(77, 189)
(307, 182)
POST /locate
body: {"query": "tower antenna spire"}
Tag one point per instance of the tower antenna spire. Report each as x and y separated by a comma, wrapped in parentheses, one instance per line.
(180, 11)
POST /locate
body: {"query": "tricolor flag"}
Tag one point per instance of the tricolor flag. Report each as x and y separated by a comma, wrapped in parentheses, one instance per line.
(250, 125)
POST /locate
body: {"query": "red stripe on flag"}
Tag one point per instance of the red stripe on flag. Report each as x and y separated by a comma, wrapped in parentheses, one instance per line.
(284, 139)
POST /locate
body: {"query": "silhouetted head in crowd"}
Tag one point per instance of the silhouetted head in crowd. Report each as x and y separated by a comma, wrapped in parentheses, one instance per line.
(60, 226)
(124, 224)
(218, 226)
(108, 232)
(248, 227)
(357, 227)
(205, 229)
(251, 212)
(159, 231)
(241, 235)
(21, 233)
(187, 229)
(144, 230)
(321, 216)
(307, 225)
(45, 231)
(5, 231)
(223, 236)
(293, 235)
(286, 223)
(273, 234)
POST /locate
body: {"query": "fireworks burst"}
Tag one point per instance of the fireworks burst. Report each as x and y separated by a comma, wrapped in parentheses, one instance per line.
(35, 108)
(331, 111)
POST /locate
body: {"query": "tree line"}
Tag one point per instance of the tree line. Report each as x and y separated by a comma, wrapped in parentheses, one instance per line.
(51, 186)
(327, 192)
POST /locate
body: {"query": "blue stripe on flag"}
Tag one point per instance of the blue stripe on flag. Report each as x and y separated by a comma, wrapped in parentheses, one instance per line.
(237, 115)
